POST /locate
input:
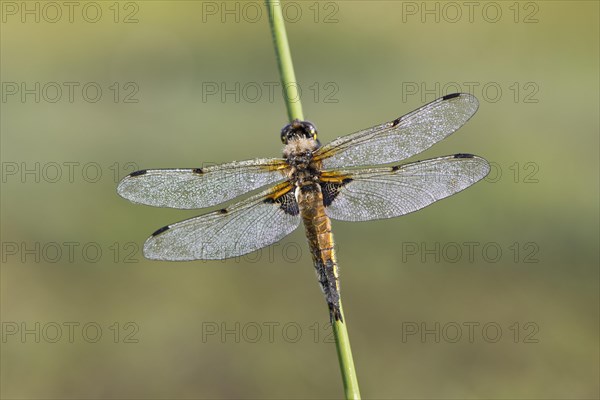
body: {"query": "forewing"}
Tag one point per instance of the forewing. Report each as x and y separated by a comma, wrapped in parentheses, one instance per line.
(388, 192)
(199, 187)
(402, 138)
(242, 228)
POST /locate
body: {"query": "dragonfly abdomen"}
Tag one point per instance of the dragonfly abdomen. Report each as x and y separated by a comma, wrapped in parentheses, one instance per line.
(320, 240)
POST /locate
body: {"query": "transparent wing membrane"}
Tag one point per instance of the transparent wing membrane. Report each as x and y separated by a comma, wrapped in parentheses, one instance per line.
(240, 229)
(199, 187)
(387, 192)
(402, 138)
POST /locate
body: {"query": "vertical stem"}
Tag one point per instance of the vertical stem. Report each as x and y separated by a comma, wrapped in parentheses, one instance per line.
(294, 110)
(344, 352)
(284, 61)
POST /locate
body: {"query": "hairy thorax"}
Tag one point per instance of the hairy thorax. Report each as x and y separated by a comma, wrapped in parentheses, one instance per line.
(304, 169)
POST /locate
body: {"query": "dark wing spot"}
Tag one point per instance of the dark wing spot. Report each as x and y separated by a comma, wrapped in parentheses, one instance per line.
(330, 190)
(222, 211)
(396, 168)
(396, 121)
(288, 203)
(283, 196)
(197, 171)
(450, 96)
(138, 173)
(463, 155)
(161, 230)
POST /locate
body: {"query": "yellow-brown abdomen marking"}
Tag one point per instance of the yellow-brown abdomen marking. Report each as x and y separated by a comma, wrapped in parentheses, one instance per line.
(320, 240)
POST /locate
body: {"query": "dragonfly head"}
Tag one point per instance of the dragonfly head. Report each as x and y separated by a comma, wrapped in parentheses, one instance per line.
(298, 130)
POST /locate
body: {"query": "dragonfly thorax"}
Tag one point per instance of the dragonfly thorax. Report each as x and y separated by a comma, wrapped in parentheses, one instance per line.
(299, 155)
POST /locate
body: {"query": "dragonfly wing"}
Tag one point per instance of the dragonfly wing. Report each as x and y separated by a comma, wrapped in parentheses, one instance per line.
(387, 192)
(199, 187)
(242, 228)
(401, 138)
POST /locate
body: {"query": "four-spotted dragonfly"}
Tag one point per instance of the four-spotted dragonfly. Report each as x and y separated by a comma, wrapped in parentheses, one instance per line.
(312, 183)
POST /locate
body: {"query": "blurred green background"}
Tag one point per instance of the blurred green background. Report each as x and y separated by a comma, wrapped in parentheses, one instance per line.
(256, 327)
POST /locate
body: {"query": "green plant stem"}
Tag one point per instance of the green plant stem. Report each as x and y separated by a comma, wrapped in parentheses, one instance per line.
(344, 352)
(284, 61)
(294, 110)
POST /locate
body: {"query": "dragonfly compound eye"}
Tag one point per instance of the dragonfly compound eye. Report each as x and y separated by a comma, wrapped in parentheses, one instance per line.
(298, 129)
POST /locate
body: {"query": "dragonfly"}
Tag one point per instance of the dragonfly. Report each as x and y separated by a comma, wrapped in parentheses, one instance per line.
(353, 178)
